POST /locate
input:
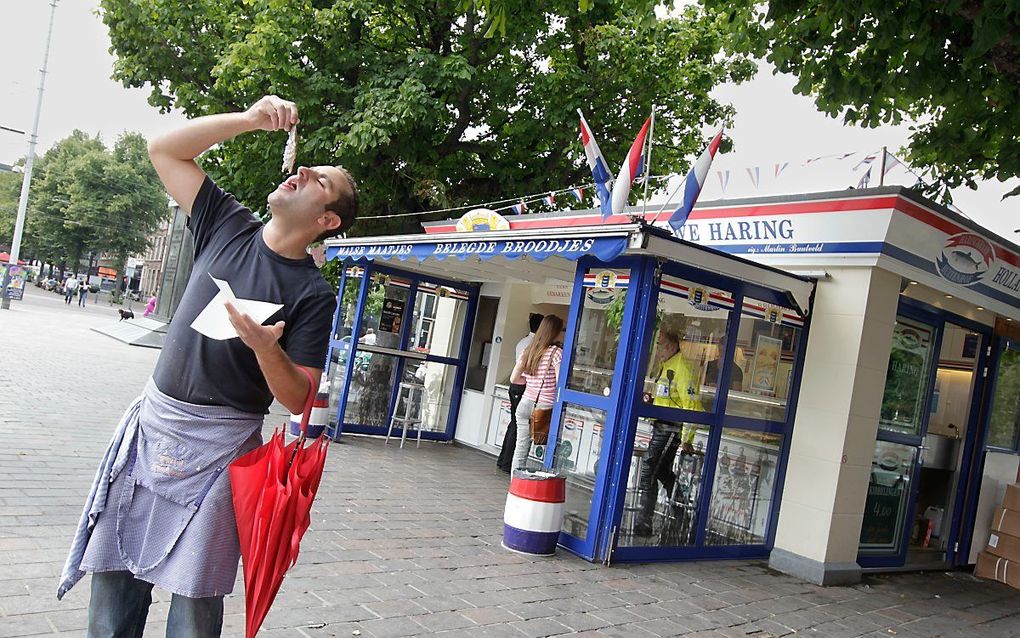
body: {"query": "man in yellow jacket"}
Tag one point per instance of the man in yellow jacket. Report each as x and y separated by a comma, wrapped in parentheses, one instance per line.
(676, 386)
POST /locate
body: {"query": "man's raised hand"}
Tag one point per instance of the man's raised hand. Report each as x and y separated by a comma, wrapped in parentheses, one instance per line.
(272, 113)
(257, 337)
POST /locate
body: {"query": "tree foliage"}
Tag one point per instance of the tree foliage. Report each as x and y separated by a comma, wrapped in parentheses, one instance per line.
(430, 103)
(10, 190)
(952, 66)
(87, 199)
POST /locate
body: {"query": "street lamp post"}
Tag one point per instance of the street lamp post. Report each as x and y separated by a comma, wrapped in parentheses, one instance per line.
(19, 225)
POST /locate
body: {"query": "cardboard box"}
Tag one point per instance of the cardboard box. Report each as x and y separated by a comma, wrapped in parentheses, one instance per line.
(1005, 521)
(1004, 546)
(998, 569)
(1011, 500)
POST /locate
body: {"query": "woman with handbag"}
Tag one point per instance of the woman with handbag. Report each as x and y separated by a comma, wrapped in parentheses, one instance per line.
(538, 369)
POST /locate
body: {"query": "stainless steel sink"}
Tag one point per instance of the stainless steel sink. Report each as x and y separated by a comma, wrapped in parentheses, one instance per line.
(940, 452)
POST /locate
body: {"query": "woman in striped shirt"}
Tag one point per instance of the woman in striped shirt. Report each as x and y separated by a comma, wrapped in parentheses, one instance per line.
(538, 368)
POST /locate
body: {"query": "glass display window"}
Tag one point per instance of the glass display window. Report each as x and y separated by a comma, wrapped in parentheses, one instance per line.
(383, 315)
(578, 446)
(597, 337)
(768, 340)
(348, 303)
(907, 378)
(684, 360)
(746, 472)
(885, 509)
(371, 388)
(1005, 412)
(667, 470)
(438, 317)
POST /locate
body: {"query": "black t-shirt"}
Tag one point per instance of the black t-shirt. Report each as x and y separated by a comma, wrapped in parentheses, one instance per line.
(229, 246)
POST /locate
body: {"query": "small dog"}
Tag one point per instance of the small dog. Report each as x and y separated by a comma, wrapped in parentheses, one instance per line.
(125, 314)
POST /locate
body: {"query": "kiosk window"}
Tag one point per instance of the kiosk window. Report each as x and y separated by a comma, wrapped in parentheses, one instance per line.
(683, 361)
(348, 302)
(578, 445)
(745, 480)
(906, 382)
(384, 311)
(598, 331)
(667, 469)
(1002, 425)
(439, 313)
(371, 388)
(763, 360)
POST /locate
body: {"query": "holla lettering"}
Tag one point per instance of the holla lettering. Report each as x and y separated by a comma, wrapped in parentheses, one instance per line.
(1008, 279)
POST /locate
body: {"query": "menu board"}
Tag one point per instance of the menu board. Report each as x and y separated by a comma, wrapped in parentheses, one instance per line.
(885, 508)
(392, 314)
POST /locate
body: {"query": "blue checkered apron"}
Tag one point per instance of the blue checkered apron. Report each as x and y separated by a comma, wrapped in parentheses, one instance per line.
(168, 515)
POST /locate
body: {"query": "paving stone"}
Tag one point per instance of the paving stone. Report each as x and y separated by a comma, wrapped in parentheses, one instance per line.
(391, 537)
(444, 620)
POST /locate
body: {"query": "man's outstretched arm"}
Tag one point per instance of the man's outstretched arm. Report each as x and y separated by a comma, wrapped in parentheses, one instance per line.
(173, 154)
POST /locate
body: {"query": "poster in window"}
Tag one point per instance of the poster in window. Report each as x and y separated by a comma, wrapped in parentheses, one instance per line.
(764, 374)
(907, 377)
(392, 314)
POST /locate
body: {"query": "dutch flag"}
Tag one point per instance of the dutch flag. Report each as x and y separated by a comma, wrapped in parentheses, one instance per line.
(693, 183)
(578, 194)
(597, 164)
(550, 200)
(629, 171)
(519, 208)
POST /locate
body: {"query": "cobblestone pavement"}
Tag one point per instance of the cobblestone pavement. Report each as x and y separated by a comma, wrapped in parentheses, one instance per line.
(402, 542)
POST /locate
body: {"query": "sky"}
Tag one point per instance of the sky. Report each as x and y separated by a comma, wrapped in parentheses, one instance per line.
(772, 124)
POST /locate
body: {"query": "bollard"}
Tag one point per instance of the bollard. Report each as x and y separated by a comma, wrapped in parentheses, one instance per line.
(534, 512)
(320, 413)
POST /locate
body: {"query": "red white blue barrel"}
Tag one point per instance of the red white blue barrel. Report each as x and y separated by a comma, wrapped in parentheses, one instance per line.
(317, 422)
(534, 512)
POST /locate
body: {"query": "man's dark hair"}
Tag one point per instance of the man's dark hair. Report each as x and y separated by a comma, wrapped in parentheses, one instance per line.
(345, 206)
(671, 334)
(535, 320)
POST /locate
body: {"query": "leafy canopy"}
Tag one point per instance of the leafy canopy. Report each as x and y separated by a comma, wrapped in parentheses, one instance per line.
(430, 103)
(87, 199)
(952, 66)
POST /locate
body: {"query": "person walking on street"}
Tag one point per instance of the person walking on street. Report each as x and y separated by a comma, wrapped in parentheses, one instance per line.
(83, 293)
(538, 369)
(506, 453)
(70, 287)
(675, 387)
(150, 306)
(160, 511)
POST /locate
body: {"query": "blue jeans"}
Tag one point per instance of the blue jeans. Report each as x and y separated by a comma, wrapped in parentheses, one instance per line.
(120, 602)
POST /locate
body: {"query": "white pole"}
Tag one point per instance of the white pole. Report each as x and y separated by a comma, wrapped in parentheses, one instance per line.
(648, 163)
(19, 226)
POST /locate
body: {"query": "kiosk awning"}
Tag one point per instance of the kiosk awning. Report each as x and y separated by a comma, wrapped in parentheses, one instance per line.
(544, 255)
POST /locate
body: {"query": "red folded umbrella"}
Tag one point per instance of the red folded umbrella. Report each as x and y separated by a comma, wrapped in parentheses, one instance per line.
(273, 489)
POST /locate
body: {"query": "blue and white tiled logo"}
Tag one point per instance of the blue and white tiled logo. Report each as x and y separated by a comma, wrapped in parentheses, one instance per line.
(965, 259)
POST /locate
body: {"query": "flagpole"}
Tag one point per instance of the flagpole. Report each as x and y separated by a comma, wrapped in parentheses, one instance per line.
(881, 175)
(648, 163)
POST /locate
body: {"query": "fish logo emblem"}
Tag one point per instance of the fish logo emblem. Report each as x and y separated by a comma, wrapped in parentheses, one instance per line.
(965, 259)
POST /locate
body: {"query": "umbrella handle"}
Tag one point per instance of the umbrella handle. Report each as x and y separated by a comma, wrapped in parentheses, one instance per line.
(306, 416)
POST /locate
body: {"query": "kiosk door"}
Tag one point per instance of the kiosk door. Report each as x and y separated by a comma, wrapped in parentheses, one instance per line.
(927, 424)
(896, 464)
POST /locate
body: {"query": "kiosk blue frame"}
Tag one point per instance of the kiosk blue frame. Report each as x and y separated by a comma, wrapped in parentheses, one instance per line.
(624, 406)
